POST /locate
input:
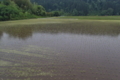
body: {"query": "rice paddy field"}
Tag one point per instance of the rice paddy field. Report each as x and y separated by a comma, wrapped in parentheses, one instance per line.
(60, 48)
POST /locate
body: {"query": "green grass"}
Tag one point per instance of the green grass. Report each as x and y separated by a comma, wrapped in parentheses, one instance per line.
(64, 19)
(34, 21)
(92, 17)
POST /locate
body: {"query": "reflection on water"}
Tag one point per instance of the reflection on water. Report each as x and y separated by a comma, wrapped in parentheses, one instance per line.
(60, 52)
(23, 32)
(1, 33)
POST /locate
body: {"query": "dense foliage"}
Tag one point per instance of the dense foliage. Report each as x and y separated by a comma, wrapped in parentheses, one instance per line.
(82, 7)
(21, 9)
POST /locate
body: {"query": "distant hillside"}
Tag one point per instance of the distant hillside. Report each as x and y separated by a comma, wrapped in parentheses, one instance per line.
(82, 7)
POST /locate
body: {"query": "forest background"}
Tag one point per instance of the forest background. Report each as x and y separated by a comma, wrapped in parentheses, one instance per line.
(24, 9)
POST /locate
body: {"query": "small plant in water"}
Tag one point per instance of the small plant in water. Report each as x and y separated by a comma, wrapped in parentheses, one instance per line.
(83, 71)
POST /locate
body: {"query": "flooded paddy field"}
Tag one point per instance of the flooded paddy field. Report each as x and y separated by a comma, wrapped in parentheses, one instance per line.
(60, 50)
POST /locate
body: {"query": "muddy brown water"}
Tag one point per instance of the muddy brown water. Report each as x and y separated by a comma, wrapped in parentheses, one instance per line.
(71, 51)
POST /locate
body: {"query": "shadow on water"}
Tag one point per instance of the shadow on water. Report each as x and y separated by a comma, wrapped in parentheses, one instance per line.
(24, 32)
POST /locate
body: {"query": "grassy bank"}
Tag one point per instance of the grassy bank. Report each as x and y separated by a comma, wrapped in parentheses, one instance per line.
(64, 19)
(34, 21)
(92, 17)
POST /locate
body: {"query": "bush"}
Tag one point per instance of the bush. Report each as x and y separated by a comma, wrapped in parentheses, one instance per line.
(56, 13)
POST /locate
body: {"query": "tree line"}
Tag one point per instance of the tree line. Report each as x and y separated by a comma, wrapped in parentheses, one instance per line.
(82, 7)
(22, 9)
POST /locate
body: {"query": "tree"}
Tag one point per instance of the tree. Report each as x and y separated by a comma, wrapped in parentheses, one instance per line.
(24, 4)
(56, 13)
(82, 7)
(38, 10)
(109, 11)
(75, 12)
(20, 9)
(8, 12)
(6, 2)
(1, 18)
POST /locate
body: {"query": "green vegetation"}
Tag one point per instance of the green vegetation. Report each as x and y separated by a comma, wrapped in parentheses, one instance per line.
(22, 9)
(83, 71)
(21, 65)
(92, 17)
(64, 19)
(23, 53)
(82, 7)
(22, 71)
(28, 54)
(25, 9)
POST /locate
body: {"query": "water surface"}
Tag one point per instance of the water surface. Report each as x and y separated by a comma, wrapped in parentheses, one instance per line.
(71, 51)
